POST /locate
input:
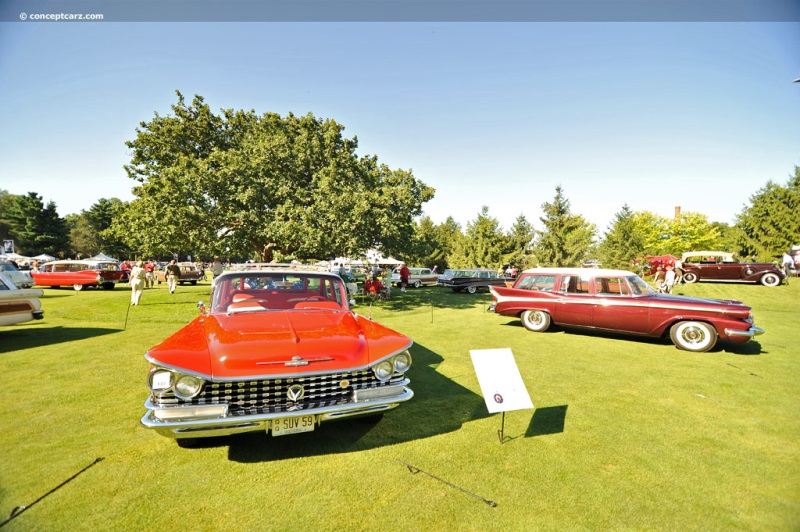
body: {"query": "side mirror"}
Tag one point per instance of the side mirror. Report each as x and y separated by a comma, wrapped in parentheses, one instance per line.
(352, 302)
(201, 307)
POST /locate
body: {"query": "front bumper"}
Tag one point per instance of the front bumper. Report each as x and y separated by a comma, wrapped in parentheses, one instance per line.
(749, 333)
(202, 427)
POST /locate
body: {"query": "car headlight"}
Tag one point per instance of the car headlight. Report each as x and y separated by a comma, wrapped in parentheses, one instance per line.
(402, 362)
(160, 381)
(188, 387)
(383, 371)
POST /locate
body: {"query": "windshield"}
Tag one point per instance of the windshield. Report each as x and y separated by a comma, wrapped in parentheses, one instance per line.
(638, 286)
(262, 291)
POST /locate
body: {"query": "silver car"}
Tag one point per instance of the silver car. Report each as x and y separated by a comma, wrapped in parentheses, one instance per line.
(21, 279)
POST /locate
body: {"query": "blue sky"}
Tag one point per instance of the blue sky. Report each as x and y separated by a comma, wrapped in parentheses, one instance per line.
(655, 115)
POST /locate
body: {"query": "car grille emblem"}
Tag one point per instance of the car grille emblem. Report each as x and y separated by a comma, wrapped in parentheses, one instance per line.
(295, 393)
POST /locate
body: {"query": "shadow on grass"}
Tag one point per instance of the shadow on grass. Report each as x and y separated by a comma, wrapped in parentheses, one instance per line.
(749, 348)
(25, 338)
(424, 297)
(439, 406)
(547, 420)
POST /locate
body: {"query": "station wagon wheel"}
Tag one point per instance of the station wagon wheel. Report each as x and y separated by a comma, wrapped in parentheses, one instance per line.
(535, 320)
(77, 287)
(695, 336)
(690, 277)
(472, 289)
(416, 284)
(770, 279)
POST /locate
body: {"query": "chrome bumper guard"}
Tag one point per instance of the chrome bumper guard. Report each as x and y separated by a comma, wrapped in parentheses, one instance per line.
(199, 427)
(752, 331)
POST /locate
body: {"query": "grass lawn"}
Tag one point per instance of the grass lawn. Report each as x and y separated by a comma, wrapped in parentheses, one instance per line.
(627, 433)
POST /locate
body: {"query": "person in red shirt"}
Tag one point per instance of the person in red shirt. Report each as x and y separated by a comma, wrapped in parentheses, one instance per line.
(404, 274)
(150, 277)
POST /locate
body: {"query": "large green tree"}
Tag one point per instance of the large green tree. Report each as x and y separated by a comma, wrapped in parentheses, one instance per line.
(262, 186)
(89, 230)
(771, 224)
(566, 238)
(622, 242)
(482, 246)
(35, 227)
(519, 243)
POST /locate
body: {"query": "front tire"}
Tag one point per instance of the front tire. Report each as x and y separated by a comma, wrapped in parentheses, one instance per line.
(770, 279)
(535, 320)
(416, 284)
(77, 287)
(695, 336)
(690, 277)
(472, 289)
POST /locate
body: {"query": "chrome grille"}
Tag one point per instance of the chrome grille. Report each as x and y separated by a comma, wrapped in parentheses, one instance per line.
(271, 396)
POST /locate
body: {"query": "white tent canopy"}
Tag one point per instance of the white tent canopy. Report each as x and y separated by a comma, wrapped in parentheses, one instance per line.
(44, 257)
(102, 256)
(14, 256)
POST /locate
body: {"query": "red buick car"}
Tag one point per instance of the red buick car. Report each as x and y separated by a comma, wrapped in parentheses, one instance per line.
(620, 301)
(277, 351)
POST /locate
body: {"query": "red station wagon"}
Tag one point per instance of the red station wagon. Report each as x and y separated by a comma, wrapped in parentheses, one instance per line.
(620, 301)
(278, 351)
(80, 273)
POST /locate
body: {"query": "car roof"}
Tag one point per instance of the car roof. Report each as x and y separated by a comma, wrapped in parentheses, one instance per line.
(587, 272)
(708, 253)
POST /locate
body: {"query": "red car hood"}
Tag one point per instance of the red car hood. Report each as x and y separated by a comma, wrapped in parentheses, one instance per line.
(261, 343)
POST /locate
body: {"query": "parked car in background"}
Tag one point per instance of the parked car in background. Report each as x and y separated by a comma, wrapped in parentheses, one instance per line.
(189, 274)
(724, 267)
(277, 351)
(22, 279)
(450, 273)
(621, 301)
(18, 305)
(478, 279)
(417, 277)
(80, 274)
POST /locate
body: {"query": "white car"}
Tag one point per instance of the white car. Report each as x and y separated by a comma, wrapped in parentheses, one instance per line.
(417, 277)
(19, 278)
(18, 305)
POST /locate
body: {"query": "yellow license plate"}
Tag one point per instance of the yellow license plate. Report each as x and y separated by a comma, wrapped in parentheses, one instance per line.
(292, 425)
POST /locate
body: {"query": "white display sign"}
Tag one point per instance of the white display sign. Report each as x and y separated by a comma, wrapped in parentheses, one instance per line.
(500, 380)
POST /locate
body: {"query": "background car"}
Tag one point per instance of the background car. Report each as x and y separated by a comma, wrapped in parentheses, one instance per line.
(723, 266)
(19, 278)
(189, 274)
(621, 301)
(478, 279)
(417, 277)
(279, 352)
(18, 305)
(450, 273)
(80, 274)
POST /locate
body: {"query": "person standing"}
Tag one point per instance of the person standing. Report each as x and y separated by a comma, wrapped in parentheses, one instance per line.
(138, 278)
(658, 279)
(150, 276)
(405, 273)
(173, 275)
(669, 279)
(678, 271)
(787, 262)
(216, 270)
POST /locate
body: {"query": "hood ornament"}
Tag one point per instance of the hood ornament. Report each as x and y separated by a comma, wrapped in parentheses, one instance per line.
(295, 361)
